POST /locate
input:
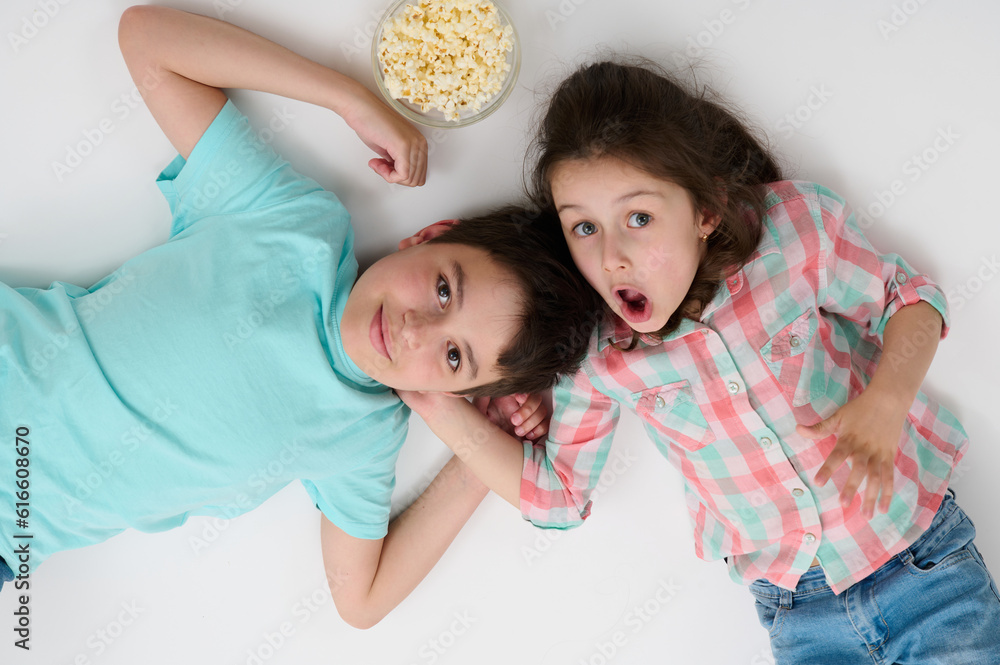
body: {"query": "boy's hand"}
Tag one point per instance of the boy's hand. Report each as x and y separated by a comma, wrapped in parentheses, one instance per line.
(402, 149)
(521, 415)
(868, 429)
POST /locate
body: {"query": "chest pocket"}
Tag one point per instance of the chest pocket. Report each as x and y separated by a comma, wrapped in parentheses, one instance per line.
(792, 358)
(673, 412)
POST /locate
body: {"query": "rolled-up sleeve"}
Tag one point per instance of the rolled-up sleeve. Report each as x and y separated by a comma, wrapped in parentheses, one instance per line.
(560, 474)
(859, 283)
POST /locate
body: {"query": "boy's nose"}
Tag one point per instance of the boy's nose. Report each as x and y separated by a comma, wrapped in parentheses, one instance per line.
(416, 327)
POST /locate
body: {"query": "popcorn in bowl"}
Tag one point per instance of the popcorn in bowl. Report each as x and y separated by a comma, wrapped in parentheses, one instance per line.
(449, 55)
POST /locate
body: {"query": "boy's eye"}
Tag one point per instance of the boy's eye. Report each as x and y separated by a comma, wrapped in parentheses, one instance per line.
(454, 357)
(585, 229)
(638, 219)
(443, 291)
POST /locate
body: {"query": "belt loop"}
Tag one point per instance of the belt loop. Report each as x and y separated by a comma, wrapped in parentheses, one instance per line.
(785, 598)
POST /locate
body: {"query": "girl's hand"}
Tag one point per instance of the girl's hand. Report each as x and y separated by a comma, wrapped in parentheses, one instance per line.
(402, 149)
(868, 429)
(521, 415)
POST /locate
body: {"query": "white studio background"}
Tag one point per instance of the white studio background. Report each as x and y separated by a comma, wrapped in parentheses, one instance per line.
(891, 103)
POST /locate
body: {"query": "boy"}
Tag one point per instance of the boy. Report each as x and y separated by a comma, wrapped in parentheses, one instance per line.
(208, 372)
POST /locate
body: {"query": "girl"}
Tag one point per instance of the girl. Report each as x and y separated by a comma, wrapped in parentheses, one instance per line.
(774, 357)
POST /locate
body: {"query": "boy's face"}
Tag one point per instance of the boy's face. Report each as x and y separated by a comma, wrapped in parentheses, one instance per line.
(432, 317)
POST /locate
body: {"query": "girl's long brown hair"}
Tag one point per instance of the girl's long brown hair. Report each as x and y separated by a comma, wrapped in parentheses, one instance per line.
(642, 115)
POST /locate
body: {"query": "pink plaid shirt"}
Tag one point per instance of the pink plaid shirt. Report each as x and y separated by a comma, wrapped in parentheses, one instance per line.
(789, 338)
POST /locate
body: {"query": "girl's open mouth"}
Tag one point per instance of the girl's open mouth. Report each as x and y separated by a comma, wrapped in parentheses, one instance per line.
(634, 305)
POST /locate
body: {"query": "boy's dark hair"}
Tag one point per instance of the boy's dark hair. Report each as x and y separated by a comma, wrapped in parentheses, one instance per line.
(642, 115)
(559, 308)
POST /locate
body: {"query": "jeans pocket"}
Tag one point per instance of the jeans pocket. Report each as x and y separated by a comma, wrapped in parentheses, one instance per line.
(769, 613)
(943, 545)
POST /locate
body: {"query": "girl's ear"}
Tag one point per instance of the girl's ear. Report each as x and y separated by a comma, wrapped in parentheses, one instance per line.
(426, 233)
(709, 222)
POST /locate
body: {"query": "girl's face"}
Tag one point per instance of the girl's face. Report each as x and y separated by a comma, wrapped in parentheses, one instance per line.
(636, 238)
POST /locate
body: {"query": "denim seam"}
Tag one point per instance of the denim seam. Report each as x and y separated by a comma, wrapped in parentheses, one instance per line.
(954, 558)
(979, 560)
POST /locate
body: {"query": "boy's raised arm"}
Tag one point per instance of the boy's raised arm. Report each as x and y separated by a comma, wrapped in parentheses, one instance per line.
(368, 578)
(179, 61)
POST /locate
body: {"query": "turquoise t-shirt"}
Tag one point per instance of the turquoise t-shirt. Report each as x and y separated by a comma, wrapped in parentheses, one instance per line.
(203, 375)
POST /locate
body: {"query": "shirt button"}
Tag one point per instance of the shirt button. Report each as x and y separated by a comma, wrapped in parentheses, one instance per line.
(660, 402)
(794, 341)
(809, 538)
(766, 442)
(901, 277)
(734, 387)
(797, 492)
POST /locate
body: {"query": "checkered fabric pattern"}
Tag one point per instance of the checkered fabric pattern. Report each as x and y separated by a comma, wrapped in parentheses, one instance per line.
(789, 338)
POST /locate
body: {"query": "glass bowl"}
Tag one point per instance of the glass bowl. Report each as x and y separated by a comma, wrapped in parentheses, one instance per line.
(433, 117)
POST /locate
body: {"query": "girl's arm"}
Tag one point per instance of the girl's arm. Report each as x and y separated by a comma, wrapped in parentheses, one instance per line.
(179, 62)
(368, 578)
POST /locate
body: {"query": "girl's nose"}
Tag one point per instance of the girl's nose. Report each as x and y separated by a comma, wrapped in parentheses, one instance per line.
(613, 254)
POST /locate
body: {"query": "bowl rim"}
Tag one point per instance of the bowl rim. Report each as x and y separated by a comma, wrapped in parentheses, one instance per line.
(414, 114)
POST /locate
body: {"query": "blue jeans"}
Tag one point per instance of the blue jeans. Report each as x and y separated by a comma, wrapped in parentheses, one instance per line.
(6, 574)
(934, 602)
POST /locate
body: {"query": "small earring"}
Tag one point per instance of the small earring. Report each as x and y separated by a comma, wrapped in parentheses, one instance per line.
(704, 238)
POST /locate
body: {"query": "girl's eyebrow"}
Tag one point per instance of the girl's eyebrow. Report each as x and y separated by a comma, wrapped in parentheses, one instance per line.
(621, 199)
(639, 192)
(459, 281)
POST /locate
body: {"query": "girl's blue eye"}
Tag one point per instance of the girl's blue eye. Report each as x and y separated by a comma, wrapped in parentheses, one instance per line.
(443, 291)
(638, 219)
(454, 357)
(585, 229)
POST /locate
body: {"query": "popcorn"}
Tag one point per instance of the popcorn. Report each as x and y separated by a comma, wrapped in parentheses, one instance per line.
(449, 55)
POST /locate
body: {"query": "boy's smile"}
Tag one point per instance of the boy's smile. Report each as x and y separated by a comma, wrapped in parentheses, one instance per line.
(432, 317)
